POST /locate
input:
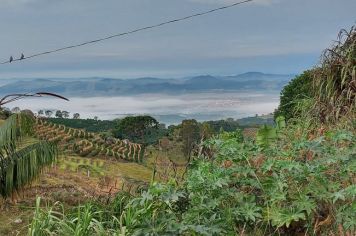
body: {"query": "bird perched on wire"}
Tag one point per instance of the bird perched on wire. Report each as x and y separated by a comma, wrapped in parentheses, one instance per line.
(11, 59)
(22, 56)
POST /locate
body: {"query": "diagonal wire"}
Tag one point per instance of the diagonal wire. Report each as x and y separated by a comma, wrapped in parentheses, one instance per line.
(128, 32)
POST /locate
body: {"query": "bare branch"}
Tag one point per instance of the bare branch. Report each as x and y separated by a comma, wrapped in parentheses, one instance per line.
(16, 96)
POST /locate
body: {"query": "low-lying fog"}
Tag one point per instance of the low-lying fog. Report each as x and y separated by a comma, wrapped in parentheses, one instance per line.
(169, 109)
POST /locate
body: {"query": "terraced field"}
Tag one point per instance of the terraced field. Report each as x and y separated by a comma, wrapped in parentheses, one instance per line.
(87, 144)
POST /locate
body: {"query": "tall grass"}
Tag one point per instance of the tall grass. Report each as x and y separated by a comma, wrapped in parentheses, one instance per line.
(335, 80)
(92, 218)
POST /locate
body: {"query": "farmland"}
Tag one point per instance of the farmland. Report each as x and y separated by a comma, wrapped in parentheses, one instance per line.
(68, 181)
(88, 143)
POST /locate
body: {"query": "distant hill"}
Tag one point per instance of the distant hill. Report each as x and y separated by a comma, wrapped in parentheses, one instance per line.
(83, 87)
(256, 121)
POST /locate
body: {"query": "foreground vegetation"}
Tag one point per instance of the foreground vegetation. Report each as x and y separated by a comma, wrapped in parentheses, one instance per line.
(300, 184)
(296, 177)
(20, 162)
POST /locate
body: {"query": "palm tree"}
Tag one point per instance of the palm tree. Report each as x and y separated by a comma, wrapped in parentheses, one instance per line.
(20, 163)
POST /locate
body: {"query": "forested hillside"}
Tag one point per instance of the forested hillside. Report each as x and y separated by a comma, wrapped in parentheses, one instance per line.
(90, 125)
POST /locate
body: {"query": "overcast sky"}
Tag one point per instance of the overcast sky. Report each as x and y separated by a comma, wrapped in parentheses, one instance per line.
(272, 36)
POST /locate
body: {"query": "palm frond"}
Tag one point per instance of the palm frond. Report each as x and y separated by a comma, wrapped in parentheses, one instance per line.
(17, 96)
(22, 166)
(19, 166)
(14, 128)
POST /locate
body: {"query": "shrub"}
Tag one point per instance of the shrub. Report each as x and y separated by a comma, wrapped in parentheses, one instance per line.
(297, 89)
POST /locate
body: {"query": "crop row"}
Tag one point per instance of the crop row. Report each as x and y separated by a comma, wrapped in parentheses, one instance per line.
(88, 144)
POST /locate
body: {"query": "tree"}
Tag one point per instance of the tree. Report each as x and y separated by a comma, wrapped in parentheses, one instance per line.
(96, 118)
(190, 134)
(76, 116)
(135, 128)
(65, 114)
(5, 113)
(40, 113)
(59, 114)
(15, 110)
(20, 163)
(49, 113)
(28, 112)
(206, 131)
(297, 89)
(228, 125)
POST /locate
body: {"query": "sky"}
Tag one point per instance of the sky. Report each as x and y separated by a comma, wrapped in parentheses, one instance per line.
(271, 36)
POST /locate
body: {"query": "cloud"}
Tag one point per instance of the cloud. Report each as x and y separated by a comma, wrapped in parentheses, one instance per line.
(188, 105)
(224, 2)
(15, 3)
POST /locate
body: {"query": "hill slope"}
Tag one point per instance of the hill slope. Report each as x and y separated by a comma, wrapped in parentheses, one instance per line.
(88, 144)
(253, 81)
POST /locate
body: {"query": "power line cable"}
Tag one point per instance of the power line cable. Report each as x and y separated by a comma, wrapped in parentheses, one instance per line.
(125, 33)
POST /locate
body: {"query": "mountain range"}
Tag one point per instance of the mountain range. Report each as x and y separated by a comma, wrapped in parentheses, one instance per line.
(96, 86)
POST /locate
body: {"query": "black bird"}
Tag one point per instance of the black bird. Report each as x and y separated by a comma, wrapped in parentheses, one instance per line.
(22, 56)
(11, 59)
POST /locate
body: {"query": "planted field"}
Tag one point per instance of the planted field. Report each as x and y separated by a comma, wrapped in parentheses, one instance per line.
(69, 183)
(87, 144)
(92, 167)
(104, 175)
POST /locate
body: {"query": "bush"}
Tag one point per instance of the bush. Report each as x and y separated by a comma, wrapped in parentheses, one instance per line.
(297, 89)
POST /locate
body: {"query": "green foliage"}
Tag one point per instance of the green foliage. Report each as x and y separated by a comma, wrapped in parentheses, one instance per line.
(87, 220)
(190, 134)
(228, 125)
(206, 131)
(89, 125)
(138, 129)
(59, 114)
(335, 80)
(256, 120)
(327, 92)
(297, 89)
(4, 113)
(20, 164)
(298, 179)
(294, 183)
(267, 135)
(280, 122)
(88, 144)
(236, 135)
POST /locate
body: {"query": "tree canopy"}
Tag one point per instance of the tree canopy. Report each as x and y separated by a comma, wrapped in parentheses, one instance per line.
(136, 128)
(297, 89)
